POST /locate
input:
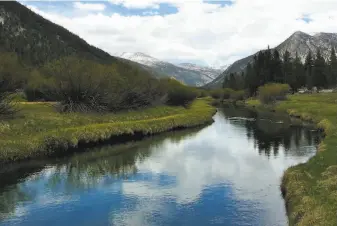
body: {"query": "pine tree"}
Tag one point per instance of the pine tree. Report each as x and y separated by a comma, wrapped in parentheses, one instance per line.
(232, 81)
(308, 67)
(267, 66)
(276, 68)
(251, 78)
(298, 73)
(332, 65)
(289, 78)
(319, 75)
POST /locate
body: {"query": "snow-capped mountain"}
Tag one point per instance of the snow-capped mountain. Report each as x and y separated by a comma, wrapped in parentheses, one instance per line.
(141, 58)
(299, 42)
(207, 71)
(190, 74)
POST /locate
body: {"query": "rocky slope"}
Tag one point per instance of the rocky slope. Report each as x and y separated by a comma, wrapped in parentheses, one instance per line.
(299, 42)
(190, 74)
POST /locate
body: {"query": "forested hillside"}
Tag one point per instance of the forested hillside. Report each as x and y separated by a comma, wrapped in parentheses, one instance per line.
(298, 44)
(271, 67)
(37, 40)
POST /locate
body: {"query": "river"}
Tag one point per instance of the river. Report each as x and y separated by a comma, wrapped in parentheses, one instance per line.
(227, 173)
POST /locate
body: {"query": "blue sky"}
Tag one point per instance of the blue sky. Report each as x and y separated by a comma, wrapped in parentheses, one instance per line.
(212, 33)
(67, 7)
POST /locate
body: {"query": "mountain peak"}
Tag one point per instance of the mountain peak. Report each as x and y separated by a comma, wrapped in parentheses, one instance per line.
(139, 57)
(299, 34)
(142, 54)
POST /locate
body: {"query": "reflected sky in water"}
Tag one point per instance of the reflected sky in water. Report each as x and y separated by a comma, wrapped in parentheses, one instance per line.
(225, 174)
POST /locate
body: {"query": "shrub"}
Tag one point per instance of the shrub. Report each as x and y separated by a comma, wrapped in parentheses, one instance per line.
(36, 88)
(227, 93)
(201, 93)
(237, 95)
(178, 93)
(86, 86)
(11, 78)
(18, 97)
(273, 92)
(11, 72)
(217, 93)
(7, 106)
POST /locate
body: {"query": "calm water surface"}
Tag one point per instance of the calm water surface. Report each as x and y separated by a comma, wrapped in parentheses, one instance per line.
(225, 174)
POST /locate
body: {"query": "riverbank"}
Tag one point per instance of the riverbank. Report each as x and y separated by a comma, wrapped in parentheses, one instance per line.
(39, 131)
(310, 189)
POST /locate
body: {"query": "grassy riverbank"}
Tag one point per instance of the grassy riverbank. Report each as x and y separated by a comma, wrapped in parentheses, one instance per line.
(310, 189)
(40, 131)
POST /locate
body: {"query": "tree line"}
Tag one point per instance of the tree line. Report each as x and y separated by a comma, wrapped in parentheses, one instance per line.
(270, 66)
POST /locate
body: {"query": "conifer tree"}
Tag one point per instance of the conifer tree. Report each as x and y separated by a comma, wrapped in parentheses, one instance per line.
(298, 72)
(289, 78)
(332, 64)
(276, 65)
(319, 75)
(308, 67)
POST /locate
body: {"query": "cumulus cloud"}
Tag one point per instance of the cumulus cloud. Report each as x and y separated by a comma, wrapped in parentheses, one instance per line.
(89, 6)
(200, 31)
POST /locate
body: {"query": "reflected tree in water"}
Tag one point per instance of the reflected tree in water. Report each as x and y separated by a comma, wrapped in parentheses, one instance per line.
(271, 132)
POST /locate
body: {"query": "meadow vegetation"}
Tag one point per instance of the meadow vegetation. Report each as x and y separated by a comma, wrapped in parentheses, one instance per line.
(227, 94)
(53, 108)
(40, 131)
(310, 188)
(272, 92)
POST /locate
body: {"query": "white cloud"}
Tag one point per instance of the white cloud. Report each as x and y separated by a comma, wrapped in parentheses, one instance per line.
(201, 31)
(89, 6)
(142, 4)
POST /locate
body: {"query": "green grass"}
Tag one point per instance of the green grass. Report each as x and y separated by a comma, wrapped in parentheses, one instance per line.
(310, 189)
(40, 131)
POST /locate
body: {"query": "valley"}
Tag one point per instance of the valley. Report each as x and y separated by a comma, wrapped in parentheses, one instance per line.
(105, 120)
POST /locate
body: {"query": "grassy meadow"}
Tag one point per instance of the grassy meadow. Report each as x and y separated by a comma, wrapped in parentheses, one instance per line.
(39, 131)
(310, 189)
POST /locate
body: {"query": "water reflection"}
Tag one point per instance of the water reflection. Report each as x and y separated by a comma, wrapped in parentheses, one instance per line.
(225, 174)
(271, 131)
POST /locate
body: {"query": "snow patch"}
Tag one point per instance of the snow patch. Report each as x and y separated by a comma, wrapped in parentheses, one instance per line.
(2, 20)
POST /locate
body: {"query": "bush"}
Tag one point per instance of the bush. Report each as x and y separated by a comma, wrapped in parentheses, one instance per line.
(18, 97)
(178, 93)
(273, 92)
(11, 77)
(12, 73)
(237, 95)
(217, 93)
(227, 93)
(7, 106)
(86, 86)
(201, 93)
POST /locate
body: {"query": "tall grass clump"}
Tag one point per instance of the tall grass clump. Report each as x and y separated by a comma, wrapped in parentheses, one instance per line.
(273, 92)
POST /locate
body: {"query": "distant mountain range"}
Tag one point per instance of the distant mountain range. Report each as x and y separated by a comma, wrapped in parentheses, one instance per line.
(299, 42)
(190, 74)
